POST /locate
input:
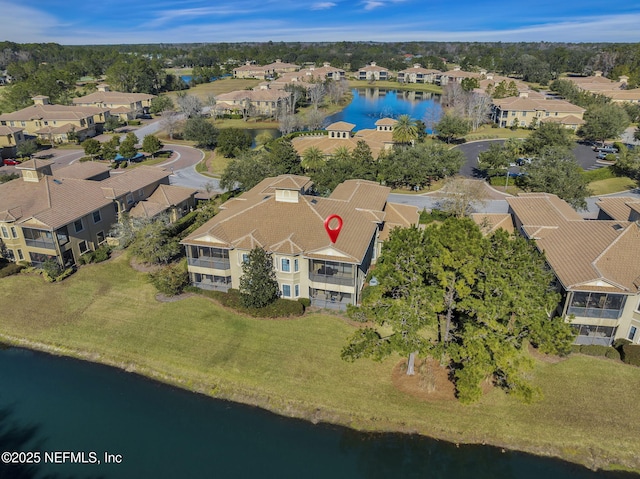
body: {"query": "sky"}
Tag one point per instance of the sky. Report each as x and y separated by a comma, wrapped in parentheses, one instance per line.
(75, 22)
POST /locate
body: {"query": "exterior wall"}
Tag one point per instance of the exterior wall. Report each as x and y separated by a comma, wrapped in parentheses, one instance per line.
(90, 237)
(603, 329)
(525, 118)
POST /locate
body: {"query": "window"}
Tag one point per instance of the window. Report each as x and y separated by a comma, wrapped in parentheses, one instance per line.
(286, 291)
(78, 225)
(286, 265)
(129, 198)
(100, 237)
(632, 333)
(14, 232)
(296, 265)
(140, 193)
(97, 218)
(5, 232)
(83, 247)
(20, 255)
(63, 236)
(245, 258)
(296, 290)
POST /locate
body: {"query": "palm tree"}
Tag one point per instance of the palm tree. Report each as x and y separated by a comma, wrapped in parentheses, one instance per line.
(312, 158)
(405, 130)
(342, 153)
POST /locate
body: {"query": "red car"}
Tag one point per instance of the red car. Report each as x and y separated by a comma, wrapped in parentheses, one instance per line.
(10, 161)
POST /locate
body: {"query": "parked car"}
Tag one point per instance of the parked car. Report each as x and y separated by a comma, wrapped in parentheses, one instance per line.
(10, 161)
(606, 149)
(523, 161)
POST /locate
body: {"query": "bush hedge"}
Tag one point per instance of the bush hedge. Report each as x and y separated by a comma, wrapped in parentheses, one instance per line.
(9, 268)
(103, 253)
(170, 280)
(631, 354)
(598, 174)
(280, 308)
(597, 350)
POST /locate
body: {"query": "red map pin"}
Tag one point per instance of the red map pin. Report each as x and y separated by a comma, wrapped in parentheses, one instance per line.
(333, 232)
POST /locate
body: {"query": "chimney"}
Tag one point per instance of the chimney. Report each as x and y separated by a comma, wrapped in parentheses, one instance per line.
(416, 65)
(103, 87)
(456, 68)
(373, 64)
(597, 73)
(624, 79)
(523, 94)
(326, 64)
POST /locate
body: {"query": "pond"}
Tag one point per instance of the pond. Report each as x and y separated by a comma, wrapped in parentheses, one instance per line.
(371, 104)
(57, 406)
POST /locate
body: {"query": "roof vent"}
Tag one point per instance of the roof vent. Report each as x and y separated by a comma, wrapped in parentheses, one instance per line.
(57, 181)
(618, 227)
(314, 201)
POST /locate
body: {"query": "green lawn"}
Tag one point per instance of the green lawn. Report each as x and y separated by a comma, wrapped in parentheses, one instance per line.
(612, 185)
(108, 313)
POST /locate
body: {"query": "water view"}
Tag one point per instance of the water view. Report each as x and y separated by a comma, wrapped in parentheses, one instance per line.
(370, 104)
(54, 405)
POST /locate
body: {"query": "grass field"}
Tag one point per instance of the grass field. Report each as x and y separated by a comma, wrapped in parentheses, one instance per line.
(108, 313)
(612, 185)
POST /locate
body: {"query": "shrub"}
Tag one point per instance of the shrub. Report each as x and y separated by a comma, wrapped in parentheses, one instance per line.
(594, 349)
(598, 174)
(280, 308)
(613, 353)
(9, 269)
(631, 354)
(84, 159)
(103, 253)
(305, 302)
(170, 280)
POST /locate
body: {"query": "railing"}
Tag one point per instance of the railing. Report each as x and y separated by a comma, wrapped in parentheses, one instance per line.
(594, 312)
(218, 286)
(210, 263)
(594, 339)
(48, 244)
(328, 304)
(333, 279)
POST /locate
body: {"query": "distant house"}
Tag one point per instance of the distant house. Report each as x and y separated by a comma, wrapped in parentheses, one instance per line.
(65, 213)
(618, 91)
(282, 217)
(528, 109)
(595, 262)
(417, 74)
(261, 101)
(251, 70)
(340, 134)
(127, 106)
(10, 138)
(53, 123)
(373, 72)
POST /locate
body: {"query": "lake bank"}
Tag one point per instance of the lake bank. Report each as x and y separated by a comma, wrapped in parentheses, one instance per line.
(108, 313)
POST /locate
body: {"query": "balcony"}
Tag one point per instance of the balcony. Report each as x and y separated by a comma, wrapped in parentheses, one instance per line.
(594, 312)
(211, 263)
(41, 243)
(215, 286)
(340, 279)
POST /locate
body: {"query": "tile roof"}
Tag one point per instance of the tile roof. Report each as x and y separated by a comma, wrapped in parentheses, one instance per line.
(257, 218)
(536, 104)
(132, 180)
(83, 171)
(618, 208)
(584, 254)
(491, 222)
(163, 198)
(397, 215)
(113, 98)
(52, 112)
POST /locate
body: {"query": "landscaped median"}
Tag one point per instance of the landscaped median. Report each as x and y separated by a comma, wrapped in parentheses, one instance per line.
(108, 313)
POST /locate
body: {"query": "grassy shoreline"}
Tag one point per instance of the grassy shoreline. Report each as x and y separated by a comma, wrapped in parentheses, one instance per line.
(108, 313)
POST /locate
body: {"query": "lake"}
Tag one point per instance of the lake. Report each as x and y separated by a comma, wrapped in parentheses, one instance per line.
(370, 104)
(51, 404)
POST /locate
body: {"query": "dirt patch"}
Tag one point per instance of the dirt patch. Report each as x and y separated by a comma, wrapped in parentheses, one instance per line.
(142, 267)
(163, 298)
(430, 383)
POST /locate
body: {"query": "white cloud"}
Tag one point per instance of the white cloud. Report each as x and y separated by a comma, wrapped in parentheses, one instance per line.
(372, 4)
(322, 5)
(24, 24)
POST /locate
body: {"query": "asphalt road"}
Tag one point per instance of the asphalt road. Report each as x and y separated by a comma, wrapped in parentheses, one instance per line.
(585, 157)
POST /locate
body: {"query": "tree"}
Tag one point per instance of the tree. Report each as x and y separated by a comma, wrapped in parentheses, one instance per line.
(154, 242)
(27, 148)
(232, 141)
(246, 171)
(169, 122)
(556, 171)
(151, 144)
(109, 149)
(452, 294)
(202, 132)
(288, 123)
(400, 303)
(284, 158)
(405, 130)
(451, 126)
(190, 105)
(460, 196)
(161, 103)
(470, 83)
(171, 279)
(497, 159)
(315, 119)
(258, 284)
(111, 123)
(316, 93)
(548, 134)
(604, 121)
(91, 147)
(312, 159)
(263, 138)
(128, 146)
